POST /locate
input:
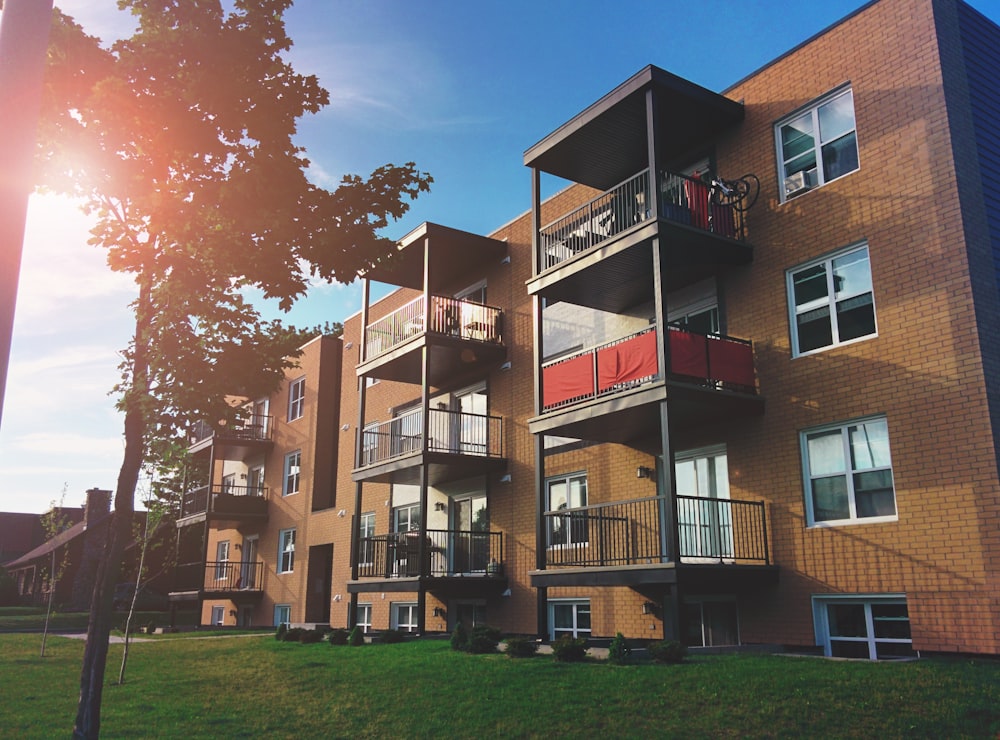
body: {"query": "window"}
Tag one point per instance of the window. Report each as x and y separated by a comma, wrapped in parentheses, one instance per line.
(363, 618)
(296, 398)
(366, 531)
(567, 492)
(569, 618)
(848, 473)
(286, 551)
(817, 145)
(221, 560)
(831, 301)
(229, 483)
(407, 518)
(218, 615)
(404, 617)
(293, 465)
(282, 614)
(870, 627)
(710, 621)
(255, 481)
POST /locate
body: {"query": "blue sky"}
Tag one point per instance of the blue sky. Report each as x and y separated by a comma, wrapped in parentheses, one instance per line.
(460, 88)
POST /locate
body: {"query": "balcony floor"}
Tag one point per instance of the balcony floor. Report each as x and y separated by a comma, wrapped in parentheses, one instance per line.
(690, 577)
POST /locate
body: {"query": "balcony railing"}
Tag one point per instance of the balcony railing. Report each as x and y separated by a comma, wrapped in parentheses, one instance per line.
(448, 317)
(220, 576)
(447, 552)
(712, 360)
(222, 499)
(685, 200)
(454, 432)
(252, 428)
(628, 532)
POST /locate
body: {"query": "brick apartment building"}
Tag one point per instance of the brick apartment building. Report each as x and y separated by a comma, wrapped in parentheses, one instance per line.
(651, 405)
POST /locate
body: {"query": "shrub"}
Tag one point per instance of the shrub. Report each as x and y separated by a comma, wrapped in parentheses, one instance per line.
(338, 637)
(311, 637)
(390, 637)
(293, 634)
(150, 628)
(357, 637)
(668, 651)
(459, 638)
(521, 647)
(484, 640)
(569, 649)
(279, 634)
(618, 650)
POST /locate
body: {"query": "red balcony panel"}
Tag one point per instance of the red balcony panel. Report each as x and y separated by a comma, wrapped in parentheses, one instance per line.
(731, 362)
(626, 362)
(568, 380)
(688, 354)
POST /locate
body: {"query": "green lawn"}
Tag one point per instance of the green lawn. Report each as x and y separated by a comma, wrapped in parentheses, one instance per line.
(16, 618)
(257, 687)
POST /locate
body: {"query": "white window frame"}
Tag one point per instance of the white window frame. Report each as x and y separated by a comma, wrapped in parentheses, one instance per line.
(282, 614)
(550, 531)
(821, 622)
(363, 617)
(218, 616)
(221, 560)
(293, 473)
(286, 551)
(830, 301)
(819, 171)
(407, 622)
(366, 530)
(848, 473)
(296, 398)
(576, 630)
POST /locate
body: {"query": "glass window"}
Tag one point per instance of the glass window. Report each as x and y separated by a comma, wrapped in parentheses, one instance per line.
(817, 145)
(849, 473)
(363, 618)
(566, 526)
(832, 301)
(404, 617)
(293, 468)
(286, 550)
(218, 615)
(569, 618)
(296, 398)
(366, 531)
(282, 614)
(872, 628)
(222, 560)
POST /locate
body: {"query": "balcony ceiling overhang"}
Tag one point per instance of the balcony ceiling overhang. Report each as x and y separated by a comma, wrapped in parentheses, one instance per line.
(606, 143)
(454, 255)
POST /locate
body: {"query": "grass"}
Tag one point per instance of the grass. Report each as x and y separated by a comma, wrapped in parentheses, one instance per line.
(31, 618)
(255, 687)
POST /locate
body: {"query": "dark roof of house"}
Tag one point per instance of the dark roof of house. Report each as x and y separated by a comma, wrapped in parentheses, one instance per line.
(46, 548)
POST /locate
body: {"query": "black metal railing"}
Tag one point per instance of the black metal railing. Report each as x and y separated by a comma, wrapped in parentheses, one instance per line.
(448, 317)
(454, 432)
(250, 428)
(220, 576)
(683, 199)
(446, 552)
(222, 498)
(629, 532)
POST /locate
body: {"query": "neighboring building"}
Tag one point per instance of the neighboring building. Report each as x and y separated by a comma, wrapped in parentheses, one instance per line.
(21, 533)
(652, 406)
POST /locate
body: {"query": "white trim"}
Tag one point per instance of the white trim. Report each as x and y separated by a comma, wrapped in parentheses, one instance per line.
(576, 630)
(296, 399)
(821, 623)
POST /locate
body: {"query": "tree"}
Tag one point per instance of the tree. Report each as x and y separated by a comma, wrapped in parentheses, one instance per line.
(54, 522)
(179, 140)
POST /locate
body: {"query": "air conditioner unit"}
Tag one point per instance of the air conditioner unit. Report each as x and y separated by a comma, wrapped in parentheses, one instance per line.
(802, 180)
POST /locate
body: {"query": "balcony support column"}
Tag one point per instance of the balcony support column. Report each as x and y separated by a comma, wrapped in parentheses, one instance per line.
(538, 351)
(652, 127)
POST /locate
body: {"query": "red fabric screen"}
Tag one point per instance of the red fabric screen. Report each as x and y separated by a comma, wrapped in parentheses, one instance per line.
(688, 355)
(731, 362)
(563, 381)
(632, 359)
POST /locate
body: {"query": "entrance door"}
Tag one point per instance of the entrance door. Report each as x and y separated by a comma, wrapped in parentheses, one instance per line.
(704, 516)
(471, 527)
(471, 429)
(245, 616)
(248, 565)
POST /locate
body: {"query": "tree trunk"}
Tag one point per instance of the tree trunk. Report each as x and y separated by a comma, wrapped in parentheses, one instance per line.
(95, 654)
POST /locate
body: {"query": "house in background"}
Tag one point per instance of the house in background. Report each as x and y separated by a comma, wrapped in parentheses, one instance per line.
(737, 383)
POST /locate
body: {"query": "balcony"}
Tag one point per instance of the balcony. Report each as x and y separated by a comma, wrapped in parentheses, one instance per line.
(236, 580)
(462, 560)
(458, 445)
(236, 440)
(622, 543)
(599, 255)
(224, 503)
(611, 392)
(462, 337)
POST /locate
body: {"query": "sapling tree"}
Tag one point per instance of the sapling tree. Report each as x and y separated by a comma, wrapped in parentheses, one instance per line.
(180, 142)
(54, 522)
